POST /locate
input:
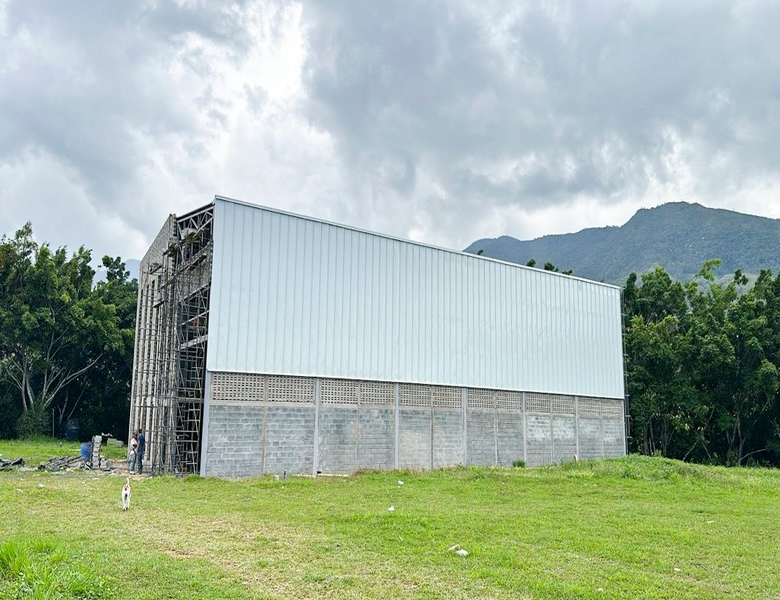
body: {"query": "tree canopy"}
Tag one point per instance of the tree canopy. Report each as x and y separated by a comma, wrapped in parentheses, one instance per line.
(63, 342)
(702, 367)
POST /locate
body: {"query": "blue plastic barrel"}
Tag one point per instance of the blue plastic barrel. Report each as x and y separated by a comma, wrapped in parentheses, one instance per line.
(86, 450)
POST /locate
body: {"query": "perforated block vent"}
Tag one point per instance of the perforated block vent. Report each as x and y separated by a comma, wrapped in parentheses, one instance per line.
(495, 400)
(247, 387)
(589, 407)
(412, 395)
(549, 403)
(357, 393)
(377, 393)
(290, 389)
(238, 387)
(447, 397)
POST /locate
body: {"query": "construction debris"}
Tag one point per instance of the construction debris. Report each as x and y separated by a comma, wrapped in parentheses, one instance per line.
(60, 463)
(6, 465)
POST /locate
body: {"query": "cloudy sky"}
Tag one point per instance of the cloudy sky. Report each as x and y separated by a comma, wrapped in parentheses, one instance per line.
(442, 122)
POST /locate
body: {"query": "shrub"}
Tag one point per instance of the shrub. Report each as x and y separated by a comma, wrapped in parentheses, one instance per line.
(32, 423)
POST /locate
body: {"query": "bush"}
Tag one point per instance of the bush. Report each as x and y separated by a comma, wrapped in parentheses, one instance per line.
(33, 423)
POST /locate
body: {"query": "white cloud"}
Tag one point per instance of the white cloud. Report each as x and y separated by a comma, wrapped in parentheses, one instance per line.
(40, 189)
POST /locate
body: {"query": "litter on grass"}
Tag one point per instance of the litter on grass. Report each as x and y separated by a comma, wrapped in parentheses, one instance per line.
(458, 550)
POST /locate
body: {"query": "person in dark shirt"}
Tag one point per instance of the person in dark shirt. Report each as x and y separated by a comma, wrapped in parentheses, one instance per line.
(141, 448)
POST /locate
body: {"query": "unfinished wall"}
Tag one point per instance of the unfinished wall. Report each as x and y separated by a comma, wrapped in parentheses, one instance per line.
(259, 424)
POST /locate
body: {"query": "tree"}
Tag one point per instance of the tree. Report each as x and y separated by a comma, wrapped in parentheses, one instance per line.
(736, 344)
(663, 401)
(104, 391)
(663, 397)
(658, 297)
(53, 329)
(548, 266)
(702, 366)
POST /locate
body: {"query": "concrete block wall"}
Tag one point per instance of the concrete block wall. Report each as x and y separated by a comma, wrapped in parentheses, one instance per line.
(355, 438)
(338, 440)
(564, 431)
(480, 436)
(289, 440)
(235, 443)
(447, 437)
(414, 438)
(539, 445)
(612, 436)
(591, 443)
(269, 424)
(376, 448)
(509, 434)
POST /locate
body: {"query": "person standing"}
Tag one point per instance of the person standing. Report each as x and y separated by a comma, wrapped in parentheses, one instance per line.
(141, 448)
(133, 453)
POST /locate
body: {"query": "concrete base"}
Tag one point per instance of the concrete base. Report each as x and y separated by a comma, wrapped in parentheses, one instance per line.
(309, 426)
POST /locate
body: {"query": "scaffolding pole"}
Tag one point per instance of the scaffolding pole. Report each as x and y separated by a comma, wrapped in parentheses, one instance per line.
(169, 369)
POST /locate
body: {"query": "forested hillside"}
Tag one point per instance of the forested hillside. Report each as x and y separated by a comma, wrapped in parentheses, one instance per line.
(677, 236)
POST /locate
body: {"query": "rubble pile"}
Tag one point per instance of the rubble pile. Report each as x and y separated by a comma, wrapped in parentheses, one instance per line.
(5, 465)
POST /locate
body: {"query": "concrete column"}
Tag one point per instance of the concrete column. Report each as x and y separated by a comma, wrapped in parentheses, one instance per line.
(552, 434)
(430, 399)
(464, 399)
(495, 428)
(358, 411)
(397, 422)
(266, 383)
(601, 425)
(204, 434)
(525, 434)
(577, 425)
(316, 450)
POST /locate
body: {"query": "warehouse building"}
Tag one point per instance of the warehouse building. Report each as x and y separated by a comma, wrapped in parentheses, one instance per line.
(269, 342)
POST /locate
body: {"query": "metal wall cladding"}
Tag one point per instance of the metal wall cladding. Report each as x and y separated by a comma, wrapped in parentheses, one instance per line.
(297, 296)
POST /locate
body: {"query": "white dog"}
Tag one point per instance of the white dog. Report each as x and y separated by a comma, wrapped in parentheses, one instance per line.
(126, 491)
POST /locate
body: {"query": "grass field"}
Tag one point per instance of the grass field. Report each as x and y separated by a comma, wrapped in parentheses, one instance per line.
(636, 527)
(40, 450)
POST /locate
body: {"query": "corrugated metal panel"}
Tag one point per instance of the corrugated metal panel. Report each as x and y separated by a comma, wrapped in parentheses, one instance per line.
(296, 296)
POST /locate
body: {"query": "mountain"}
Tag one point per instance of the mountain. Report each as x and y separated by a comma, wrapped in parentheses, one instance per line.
(677, 236)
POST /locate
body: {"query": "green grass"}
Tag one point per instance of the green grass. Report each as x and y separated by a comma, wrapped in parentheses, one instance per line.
(39, 450)
(636, 527)
(37, 569)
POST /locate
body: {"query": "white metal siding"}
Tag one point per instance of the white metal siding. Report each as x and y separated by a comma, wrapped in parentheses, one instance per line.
(296, 296)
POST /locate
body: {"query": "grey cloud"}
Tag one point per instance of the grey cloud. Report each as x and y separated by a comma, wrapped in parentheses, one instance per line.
(600, 86)
(89, 83)
(157, 21)
(445, 117)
